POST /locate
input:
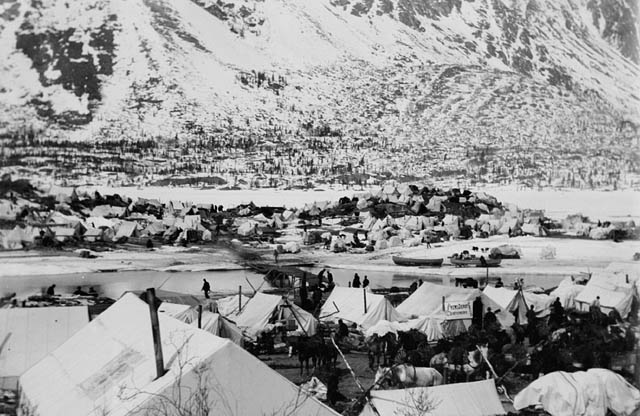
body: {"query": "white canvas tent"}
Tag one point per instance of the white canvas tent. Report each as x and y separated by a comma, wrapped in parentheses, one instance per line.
(613, 295)
(262, 309)
(230, 306)
(581, 393)
(567, 291)
(349, 304)
(478, 398)
(218, 325)
(108, 367)
(427, 299)
(28, 334)
(510, 301)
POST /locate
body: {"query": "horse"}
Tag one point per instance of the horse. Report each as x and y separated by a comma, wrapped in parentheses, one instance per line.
(407, 375)
(385, 346)
(308, 349)
(328, 355)
(415, 346)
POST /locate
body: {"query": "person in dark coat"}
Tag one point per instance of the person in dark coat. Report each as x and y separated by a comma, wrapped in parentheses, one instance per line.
(51, 290)
(80, 292)
(356, 281)
(532, 325)
(316, 297)
(490, 320)
(330, 284)
(333, 394)
(343, 330)
(477, 312)
(206, 288)
(557, 313)
(365, 282)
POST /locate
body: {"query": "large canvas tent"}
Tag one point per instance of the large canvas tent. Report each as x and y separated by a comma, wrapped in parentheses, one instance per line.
(349, 304)
(567, 291)
(28, 334)
(427, 299)
(515, 303)
(478, 398)
(108, 367)
(263, 309)
(582, 393)
(613, 294)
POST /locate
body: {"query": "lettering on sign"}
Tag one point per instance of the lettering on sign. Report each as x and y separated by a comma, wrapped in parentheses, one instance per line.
(458, 310)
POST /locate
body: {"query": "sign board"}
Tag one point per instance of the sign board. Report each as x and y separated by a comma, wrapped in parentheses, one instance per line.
(458, 310)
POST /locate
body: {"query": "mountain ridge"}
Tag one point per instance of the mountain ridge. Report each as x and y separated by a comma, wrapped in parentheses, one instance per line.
(453, 72)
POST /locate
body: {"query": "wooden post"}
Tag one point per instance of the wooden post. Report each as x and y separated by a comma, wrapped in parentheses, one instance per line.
(239, 299)
(199, 316)
(155, 329)
(443, 307)
(364, 296)
(487, 284)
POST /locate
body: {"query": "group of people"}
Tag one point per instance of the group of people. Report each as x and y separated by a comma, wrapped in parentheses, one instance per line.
(51, 291)
(355, 283)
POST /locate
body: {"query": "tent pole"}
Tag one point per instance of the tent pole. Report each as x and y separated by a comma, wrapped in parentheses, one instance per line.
(487, 284)
(155, 329)
(199, 316)
(239, 298)
(364, 295)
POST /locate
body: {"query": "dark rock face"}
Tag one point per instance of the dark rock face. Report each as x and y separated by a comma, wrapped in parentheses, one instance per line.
(78, 71)
(617, 20)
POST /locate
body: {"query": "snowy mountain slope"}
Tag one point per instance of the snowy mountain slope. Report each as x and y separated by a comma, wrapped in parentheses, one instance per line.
(95, 69)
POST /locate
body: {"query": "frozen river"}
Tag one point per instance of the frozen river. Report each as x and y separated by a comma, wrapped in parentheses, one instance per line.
(114, 284)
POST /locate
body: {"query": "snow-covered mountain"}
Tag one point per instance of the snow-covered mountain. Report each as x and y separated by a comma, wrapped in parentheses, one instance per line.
(417, 70)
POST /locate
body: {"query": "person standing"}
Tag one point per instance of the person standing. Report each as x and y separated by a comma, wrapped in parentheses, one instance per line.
(490, 320)
(477, 312)
(365, 282)
(206, 288)
(275, 254)
(532, 326)
(316, 297)
(356, 281)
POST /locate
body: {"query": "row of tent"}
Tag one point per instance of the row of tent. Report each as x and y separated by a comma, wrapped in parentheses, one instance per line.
(118, 336)
(423, 309)
(616, 286)
(596, 392)
(107, 366)
(244, 317)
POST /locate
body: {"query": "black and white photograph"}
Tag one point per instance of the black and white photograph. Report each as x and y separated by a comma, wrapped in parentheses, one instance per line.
(319, 207)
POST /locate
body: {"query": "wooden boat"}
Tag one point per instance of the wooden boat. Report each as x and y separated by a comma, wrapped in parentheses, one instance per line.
(475, 261)
(408, 261)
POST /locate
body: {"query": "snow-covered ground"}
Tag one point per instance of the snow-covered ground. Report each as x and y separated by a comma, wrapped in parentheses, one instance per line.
(597, 205)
